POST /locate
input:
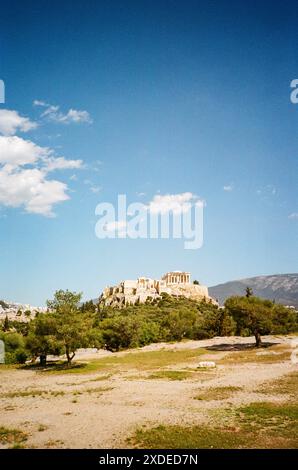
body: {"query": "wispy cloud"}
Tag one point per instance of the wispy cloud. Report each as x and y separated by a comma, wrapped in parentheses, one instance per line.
(61, 163)
(268, 190)
(95, 189)
(53, 113)
(293, 215)
(92, 187)
(228, 187)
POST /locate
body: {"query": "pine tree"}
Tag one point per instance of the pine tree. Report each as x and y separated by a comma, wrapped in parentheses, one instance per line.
(6, 324)
(249, 292)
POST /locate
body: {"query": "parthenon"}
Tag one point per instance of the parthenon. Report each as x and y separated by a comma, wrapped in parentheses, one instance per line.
(176, 277)
(144, 289)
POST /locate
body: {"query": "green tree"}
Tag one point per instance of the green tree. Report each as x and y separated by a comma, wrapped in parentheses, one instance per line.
(88, 306)
(27, 313)
(6, 324)
(41, 340)
(63, 299)
(120, 332)
(259, 317)
(248, 292)
(73, 329)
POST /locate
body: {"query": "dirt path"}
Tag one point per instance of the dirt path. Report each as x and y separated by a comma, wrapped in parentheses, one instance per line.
(76, 410)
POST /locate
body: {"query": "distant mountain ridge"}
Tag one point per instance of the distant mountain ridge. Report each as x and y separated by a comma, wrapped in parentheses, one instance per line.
(283, 288)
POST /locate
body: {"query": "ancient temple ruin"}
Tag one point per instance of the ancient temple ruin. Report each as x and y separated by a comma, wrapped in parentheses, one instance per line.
(175, 283)
(176, 277)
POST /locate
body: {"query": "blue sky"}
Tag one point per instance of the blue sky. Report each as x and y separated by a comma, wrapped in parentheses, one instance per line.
(146, 97)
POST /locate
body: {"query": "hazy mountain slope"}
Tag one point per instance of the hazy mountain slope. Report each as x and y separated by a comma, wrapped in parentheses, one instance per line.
(282, 288)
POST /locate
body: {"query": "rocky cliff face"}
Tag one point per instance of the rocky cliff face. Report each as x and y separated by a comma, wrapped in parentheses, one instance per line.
(119, 297)
(282, 288)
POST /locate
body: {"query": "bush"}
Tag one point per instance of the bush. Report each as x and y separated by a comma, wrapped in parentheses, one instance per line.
(16, 357)
(12, 341)
(15, 352)
(21, 356)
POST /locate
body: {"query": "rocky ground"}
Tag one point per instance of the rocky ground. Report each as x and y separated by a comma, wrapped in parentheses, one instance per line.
(101, 402)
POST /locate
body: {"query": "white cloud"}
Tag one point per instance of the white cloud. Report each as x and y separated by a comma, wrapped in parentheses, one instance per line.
(50, 111)
(228, 187)
(54, 114)
(16, 151)
(61, 163)
(74, 115)
(11, 122)
(39, 103)
(294, 215)
(30, 188)
(24, 182)
(176, 203)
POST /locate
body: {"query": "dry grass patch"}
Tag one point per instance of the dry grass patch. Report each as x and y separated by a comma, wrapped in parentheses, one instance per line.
(258, 425)
(186, 437)
(12, 437)
(98, 390)
(171, 375)
(275, 419)
(24, 394)
(42, 428)
(286, 385)
(141, 360)
(217, 393)
(33, 393)
(268, 355)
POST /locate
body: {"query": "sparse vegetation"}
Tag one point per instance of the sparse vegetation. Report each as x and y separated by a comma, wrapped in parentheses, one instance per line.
(41, 428)
(217, 393)
(171, 375)
(98, 390)
(12, 437)
(269, 355)
(286, 385)
(258, 425)
(24, 393)
(276, 419)
(187, 437)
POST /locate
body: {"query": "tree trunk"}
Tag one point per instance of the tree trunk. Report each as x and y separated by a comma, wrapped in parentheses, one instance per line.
(43, 359)
(258, 339)
(68, 355)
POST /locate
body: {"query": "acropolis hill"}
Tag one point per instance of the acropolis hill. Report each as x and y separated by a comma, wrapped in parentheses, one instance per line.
(175, 283)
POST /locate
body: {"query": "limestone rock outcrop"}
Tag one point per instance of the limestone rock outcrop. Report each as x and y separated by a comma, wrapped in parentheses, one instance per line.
(18, 312)
(175, 283)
